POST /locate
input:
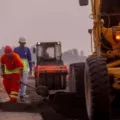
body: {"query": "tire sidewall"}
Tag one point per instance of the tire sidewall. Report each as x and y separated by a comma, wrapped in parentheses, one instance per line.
(86, 80)
(96, 73)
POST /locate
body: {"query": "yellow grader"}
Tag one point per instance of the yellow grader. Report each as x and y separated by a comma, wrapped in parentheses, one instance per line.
(102, 67)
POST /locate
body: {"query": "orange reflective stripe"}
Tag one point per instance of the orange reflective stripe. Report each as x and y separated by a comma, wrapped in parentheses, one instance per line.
(13, 92)
(13, 96)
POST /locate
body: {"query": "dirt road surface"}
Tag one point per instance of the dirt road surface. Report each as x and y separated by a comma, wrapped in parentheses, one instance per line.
(19, 116)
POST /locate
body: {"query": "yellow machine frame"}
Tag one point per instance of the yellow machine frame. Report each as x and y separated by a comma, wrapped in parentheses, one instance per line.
(98, 28)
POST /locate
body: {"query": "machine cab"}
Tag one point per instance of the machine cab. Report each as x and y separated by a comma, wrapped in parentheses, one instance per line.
(48, 53)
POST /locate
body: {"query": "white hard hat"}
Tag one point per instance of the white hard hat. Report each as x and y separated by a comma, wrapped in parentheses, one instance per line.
(22, 39)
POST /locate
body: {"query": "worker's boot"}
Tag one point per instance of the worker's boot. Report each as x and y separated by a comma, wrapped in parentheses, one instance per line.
(22, 98)
(26, 96)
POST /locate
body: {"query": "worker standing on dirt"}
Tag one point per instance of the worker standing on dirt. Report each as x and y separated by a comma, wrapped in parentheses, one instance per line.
(12, 69)
(25, 55)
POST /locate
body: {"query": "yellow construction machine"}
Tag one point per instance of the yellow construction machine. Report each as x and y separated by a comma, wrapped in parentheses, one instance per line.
(102, 67)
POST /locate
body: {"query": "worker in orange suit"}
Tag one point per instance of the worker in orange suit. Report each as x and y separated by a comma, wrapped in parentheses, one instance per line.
(12, 68)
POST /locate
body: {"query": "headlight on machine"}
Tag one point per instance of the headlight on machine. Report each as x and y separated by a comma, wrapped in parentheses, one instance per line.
(116, 34)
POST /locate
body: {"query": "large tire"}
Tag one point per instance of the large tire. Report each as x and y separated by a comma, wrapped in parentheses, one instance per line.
(76, 78)
(43, 80)
(72, 104)
(97, 89)
(60, 82)
(53, 81)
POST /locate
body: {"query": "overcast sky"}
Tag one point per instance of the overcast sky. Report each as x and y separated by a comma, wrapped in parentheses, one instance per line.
(45, 20)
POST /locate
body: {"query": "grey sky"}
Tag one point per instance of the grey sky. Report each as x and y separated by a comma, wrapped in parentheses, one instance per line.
(45, 20)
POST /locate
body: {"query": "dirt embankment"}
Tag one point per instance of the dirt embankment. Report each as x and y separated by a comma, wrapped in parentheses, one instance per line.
(3, 95)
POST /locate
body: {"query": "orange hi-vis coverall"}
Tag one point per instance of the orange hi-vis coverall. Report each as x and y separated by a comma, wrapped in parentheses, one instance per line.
(11, 81)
